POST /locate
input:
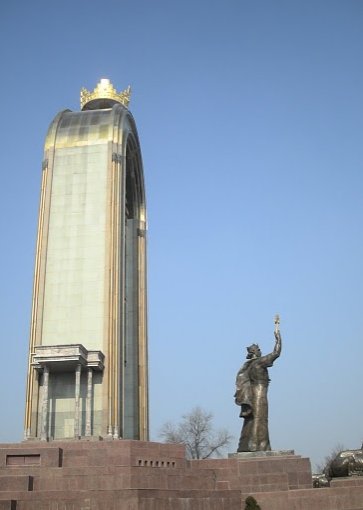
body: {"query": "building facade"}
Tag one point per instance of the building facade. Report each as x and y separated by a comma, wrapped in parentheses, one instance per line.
(87, 373)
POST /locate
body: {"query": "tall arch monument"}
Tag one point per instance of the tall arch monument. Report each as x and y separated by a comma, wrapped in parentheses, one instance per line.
(87, 372)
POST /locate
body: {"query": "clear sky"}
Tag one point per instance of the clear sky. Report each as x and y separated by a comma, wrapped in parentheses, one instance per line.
(250, 116)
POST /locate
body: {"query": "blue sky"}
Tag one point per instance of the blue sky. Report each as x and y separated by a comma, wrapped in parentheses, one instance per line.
(250, 119)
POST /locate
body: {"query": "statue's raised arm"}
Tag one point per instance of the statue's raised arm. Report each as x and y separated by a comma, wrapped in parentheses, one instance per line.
(268, 359)
(277, 348)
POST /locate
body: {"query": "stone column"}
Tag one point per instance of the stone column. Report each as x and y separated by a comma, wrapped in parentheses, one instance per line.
(89, 402)
(44, 430)
(77, 401)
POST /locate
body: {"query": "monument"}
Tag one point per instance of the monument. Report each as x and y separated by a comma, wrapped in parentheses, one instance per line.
(86, 427)
(87, 372)
(251, 394)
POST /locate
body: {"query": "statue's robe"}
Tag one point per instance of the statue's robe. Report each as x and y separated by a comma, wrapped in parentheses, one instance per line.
(251, 394)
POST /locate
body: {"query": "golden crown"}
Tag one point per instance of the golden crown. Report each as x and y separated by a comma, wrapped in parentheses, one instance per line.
(105, 90)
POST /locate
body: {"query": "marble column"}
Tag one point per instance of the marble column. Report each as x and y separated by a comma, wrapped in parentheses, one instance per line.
(77, 402)
(89, 402)
(44, 431)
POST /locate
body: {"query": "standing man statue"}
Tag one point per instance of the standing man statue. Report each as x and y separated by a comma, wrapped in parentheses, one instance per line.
(251, 394)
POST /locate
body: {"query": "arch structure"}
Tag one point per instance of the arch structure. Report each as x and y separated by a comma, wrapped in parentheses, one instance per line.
(88, 368)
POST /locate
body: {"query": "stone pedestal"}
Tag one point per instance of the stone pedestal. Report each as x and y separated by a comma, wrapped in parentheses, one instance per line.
(138, 475)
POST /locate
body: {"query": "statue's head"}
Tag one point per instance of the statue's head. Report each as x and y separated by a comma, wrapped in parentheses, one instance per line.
(253, 351)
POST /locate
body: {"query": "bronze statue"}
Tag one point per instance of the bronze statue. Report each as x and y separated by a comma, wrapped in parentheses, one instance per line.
(251, 394)
(320, 480)
(346, 463)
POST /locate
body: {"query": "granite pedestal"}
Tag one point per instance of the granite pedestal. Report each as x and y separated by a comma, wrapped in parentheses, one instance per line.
(138, 475)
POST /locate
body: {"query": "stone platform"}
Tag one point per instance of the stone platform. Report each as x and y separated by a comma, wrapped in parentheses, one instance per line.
(137, 475)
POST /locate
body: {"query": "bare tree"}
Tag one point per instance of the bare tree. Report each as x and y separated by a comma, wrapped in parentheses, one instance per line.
(196, 432)
(323, 466)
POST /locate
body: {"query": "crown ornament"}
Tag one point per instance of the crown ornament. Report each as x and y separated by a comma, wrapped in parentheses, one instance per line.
(104, 96)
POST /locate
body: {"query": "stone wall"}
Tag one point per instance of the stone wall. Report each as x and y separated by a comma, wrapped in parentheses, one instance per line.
(134, 475)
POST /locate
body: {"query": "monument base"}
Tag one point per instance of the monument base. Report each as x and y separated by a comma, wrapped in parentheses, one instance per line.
(138, 475)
